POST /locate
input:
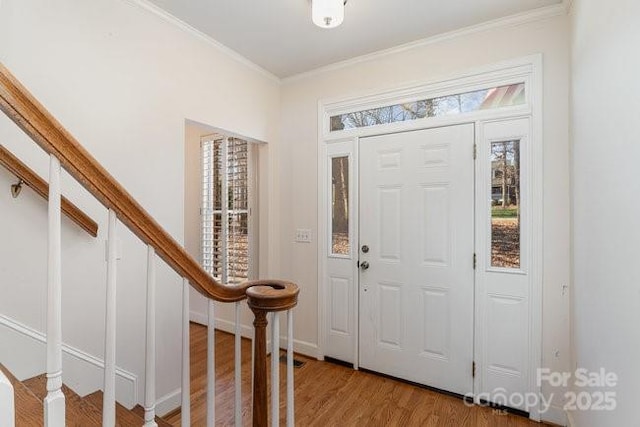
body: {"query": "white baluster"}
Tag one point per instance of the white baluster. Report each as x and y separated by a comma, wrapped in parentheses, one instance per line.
(186, 380)
(290, 411)
(109, 396)
(238, 369)
(7, 402)
(54, 401)
(150, 347)
(275, 370)
(211, 366)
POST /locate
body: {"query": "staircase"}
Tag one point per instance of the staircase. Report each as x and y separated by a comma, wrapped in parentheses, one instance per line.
(80, 411)
(45, 399)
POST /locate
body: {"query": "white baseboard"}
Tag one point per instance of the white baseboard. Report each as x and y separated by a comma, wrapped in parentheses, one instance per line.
(302, 347)
(556, 415)
(222, 324)
(168, 402)
(299, 346)
(198, 318)
(23, 353)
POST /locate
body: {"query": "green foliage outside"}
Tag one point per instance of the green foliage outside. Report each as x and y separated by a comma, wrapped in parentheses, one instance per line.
(499, 212)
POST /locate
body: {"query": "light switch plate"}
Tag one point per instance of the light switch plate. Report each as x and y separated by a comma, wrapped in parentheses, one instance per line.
(303, 235)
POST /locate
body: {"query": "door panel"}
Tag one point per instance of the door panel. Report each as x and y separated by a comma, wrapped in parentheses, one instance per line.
(417, 216)
(390, 223)
(390, 315)
(435, 230)
(339, 291)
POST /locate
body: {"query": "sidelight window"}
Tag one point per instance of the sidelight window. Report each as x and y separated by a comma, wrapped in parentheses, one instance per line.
(505, 204)
(340, 205)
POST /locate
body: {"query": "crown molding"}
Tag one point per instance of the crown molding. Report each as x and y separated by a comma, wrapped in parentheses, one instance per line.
(512, 20)
(508, 21)
(171, 19)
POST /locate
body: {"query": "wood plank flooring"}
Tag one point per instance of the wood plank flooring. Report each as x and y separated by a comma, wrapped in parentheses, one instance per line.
(327, 394)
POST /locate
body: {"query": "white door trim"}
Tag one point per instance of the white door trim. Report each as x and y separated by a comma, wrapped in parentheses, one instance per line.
(527, 69)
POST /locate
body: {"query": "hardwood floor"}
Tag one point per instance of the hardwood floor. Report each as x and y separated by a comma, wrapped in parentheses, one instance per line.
(327, 394)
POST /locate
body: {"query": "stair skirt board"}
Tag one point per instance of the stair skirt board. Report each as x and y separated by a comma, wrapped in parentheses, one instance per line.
(82, 372)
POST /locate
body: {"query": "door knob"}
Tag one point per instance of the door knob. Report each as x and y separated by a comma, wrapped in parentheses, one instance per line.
(364, 265)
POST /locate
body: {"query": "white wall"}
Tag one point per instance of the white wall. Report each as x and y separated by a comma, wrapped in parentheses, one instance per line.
(606, 231)
(122, 81)
(298, 154)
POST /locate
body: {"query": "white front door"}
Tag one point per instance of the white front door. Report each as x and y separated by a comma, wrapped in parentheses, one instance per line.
(416, 256)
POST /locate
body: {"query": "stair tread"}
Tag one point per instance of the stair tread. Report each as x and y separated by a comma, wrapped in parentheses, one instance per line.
(29, 410)
(124, 416)
(139, 410)
(78, 412)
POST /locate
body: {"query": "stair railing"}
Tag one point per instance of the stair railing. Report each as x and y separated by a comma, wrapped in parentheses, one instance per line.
(29, 178)
(263, 296)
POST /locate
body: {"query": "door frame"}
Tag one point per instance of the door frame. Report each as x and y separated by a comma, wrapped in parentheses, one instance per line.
(346, 142)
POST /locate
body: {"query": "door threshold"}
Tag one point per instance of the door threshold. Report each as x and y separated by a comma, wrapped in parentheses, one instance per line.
(338, 362)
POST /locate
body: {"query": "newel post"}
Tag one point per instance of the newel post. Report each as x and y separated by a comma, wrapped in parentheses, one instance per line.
(266, 297)
(260, 415)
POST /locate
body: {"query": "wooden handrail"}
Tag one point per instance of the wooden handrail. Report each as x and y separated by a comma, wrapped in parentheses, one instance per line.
(21, 107)
(40, 186)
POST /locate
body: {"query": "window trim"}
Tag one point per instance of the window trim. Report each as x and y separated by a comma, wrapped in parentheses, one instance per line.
(504, 74)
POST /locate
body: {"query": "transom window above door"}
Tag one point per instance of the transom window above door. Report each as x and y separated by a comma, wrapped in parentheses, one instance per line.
(467, 102)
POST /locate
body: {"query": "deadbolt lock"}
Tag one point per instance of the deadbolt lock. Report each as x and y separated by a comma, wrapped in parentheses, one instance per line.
(365, 249)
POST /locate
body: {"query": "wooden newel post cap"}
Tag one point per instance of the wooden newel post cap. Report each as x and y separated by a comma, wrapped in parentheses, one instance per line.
(272, 295)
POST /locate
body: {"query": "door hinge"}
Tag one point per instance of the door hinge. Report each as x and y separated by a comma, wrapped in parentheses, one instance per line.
(475, 260)
(473, 369)
(475, 151)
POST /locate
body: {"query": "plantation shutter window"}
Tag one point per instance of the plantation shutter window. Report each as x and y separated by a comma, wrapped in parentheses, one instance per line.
(226, 208)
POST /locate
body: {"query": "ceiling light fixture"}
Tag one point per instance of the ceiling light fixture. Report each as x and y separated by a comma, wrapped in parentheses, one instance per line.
(327, 13)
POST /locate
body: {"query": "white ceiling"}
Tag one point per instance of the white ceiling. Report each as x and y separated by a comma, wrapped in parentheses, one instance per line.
(278, 35)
